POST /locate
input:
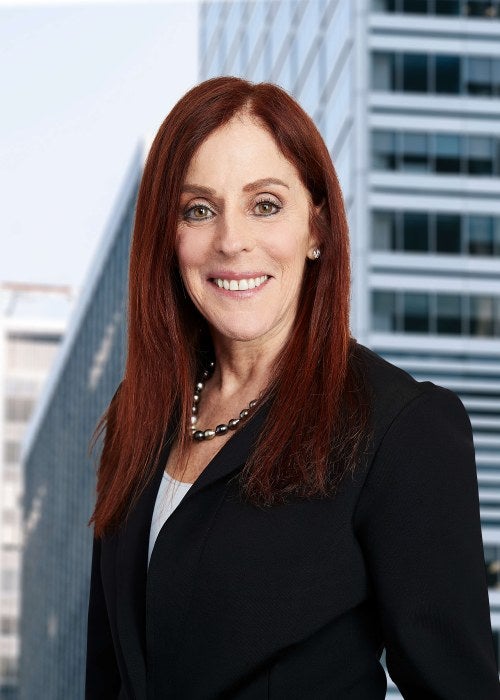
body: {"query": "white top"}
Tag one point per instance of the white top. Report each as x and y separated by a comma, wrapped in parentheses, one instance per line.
(170, 494)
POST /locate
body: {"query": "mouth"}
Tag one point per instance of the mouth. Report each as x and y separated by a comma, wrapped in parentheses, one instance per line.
(239, 285)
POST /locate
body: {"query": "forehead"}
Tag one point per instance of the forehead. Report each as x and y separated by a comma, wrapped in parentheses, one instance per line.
(242, 148)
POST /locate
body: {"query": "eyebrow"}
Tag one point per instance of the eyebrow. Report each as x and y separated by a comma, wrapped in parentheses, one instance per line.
(263, 182)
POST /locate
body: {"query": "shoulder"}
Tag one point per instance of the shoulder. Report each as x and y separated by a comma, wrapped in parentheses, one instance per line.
(397, 397)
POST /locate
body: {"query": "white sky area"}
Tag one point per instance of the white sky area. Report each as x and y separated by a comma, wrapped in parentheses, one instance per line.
(80, 84)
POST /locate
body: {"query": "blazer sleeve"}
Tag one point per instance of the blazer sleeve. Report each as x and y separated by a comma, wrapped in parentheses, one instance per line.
(418, 523)
(102, 681)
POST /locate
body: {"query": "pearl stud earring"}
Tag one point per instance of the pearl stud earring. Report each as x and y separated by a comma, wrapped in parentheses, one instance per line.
(316, 253)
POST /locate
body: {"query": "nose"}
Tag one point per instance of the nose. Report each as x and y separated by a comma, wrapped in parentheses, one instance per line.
(233, 234)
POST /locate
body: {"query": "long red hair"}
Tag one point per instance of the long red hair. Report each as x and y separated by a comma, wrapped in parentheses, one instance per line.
(315, 378)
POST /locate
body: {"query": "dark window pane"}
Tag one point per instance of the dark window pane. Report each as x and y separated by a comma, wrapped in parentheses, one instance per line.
(415, 312)
(448, 74)
(448, 7)
(495, 76)
(481, 315)
(384, 5)
(480, 155)
(448, 148)
(415, 153)
(480, 235)
(480, 8)
(384, 230)
(448, 233)
(449, 315)
(384, 311)
(417, 7)
(415, 232)
(415, 78)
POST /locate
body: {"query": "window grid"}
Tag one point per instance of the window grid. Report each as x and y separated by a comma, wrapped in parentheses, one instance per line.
(404, 311)
(478, 9)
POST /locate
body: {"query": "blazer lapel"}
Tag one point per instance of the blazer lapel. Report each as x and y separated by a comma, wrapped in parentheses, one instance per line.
(131, 570)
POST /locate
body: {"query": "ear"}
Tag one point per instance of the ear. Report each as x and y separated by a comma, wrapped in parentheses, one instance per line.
(313, 251)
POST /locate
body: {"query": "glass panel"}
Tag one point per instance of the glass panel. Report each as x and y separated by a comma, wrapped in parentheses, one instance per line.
(447, 7)
(481, 315)
(383, 71)
(449, 315)
(448, 153)
(384, 311)
(415, 152)
(480, 8)
(478, 76)
(384, 230)
(383, 150)
(417, 7)
(447, 74)
(415, 72)
(448, 233)
(495, 76)
(480, 155)
(496, 236)
(415, 232)
(480, 235)
(415, 312)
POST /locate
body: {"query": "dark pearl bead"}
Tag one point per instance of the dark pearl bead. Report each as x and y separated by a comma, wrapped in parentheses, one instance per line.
(208, 434)
(253, 403)
(233, 423)
(196, 398)
(199, 435)
(244, 413)
(199, 387)
(221, 429)
(194, 410)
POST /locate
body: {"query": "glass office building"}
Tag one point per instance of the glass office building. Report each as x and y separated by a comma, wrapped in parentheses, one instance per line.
(60, 475)
(407, 97)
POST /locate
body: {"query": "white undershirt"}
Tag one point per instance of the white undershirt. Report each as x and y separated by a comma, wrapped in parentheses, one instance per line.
(170, 494)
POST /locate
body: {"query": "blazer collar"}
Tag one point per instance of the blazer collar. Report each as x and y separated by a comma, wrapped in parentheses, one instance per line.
(133, 541)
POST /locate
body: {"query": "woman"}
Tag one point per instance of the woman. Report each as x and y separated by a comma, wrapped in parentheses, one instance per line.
(276, 504)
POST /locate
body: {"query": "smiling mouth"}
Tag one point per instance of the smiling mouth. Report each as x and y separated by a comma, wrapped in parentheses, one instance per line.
(239, 285)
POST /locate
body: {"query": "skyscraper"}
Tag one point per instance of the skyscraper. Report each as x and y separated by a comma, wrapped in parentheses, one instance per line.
(32, 322)
(407, 97)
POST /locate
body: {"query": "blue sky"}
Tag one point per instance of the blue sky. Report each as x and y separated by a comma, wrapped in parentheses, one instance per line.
(80, 84)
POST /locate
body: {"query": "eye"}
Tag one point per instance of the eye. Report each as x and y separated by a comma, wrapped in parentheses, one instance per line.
(198, 212)
(267, 207)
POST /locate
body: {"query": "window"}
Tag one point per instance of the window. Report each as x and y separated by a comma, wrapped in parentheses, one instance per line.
(384, 230)
(447, 74)
(12, 451)
(8, 668)
(492, 562)
(415, 72)
(478, 76)
(415, 232)
(480, 155)
(448, 153)
(482, 315)
(384, 310)
(448, 7)
(449, 314)
(18, 409)
(448, 233)
(415, 312)
(383, 150)
(384, 71)
(8, 625)
(415, 152)
(481, 235)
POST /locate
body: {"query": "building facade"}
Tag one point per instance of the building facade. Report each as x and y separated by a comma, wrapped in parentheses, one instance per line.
(406, 94)
(60, 474)
(32, 322)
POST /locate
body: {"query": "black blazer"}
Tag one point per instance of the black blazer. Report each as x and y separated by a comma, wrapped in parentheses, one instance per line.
(297, 601)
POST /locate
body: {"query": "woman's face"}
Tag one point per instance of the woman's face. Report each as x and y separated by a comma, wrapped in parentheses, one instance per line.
(243, 234)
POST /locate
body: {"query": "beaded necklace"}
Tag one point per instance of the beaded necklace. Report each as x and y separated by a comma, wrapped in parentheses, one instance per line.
(223, 428)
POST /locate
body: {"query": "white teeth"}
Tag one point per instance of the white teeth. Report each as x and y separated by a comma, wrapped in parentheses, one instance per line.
(240, 285)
